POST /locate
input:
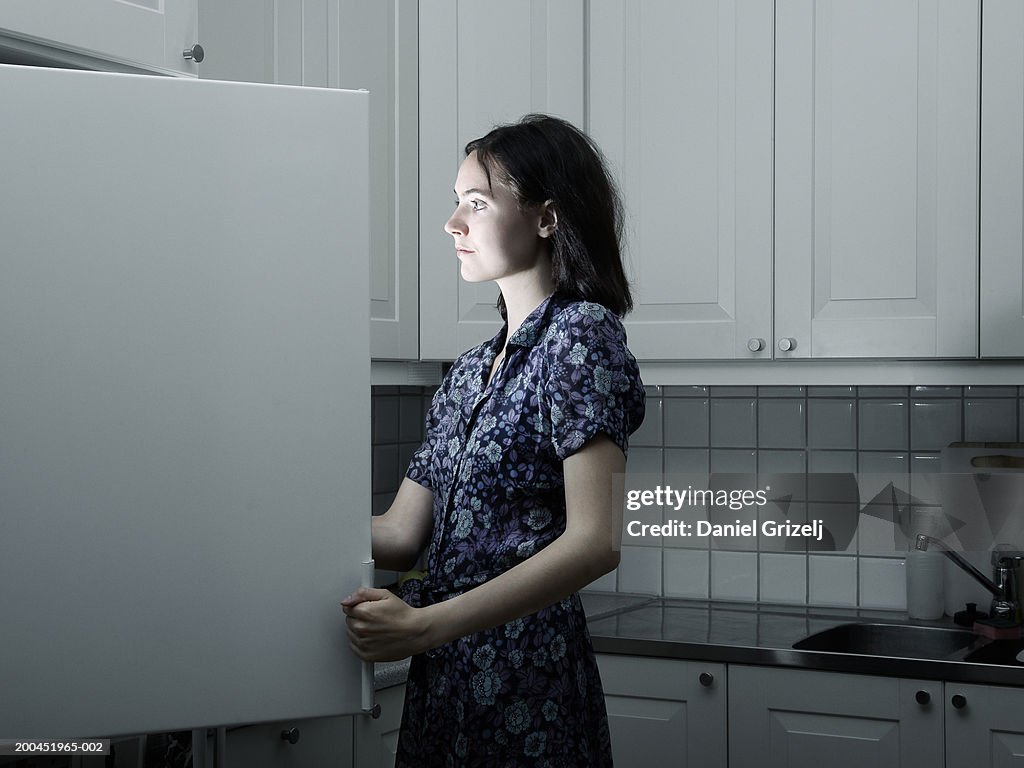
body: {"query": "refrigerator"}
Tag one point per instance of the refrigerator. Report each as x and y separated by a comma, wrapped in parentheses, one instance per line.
(184, 401)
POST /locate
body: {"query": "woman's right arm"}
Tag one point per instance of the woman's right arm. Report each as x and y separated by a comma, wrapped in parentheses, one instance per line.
(401, 533)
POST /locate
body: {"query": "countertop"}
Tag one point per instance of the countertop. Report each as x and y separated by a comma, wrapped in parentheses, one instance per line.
(748, 633)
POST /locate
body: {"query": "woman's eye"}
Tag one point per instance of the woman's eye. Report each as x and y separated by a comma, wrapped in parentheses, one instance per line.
(476, 205)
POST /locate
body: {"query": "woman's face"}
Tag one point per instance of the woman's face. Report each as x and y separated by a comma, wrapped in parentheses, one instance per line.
(493, 237)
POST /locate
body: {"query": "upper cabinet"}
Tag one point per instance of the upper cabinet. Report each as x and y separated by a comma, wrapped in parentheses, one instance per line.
(1002, 180)
(150, 35)
(354, 45)
(481, 64)
(876, 178)
(680, 100)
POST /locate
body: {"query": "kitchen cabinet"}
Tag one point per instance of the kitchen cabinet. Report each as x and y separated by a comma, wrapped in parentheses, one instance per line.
(799, 181)
(876, 177)
(984, 726)
(376, 740)
(680, 101)
(355, 45)
(150, 35)
(1002, 171)
(481, 64)
(324, 742)
(784, 717)
(665, 712)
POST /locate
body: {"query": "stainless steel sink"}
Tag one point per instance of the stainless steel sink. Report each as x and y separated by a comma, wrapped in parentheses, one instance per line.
(899, 640)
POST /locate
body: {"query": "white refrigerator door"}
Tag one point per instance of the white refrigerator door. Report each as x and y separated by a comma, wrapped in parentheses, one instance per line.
(184, 401)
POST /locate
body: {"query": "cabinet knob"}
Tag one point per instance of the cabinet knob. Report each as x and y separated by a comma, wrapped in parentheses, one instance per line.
(291, 735)
(706, 679)
(787, 344)
(959, 701)
(923, 697)
(195, 53)
(755, 345)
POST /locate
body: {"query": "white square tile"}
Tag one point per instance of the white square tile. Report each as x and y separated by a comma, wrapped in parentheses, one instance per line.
(687, 461)
(783, 578)
(883, 583)
(644, 461)
(990, 420)
(649, 432)
(686, 422)
(831, 423)
(686, 573)
(934, 424)
(640, 570)
(832, 580)
(733, 423)
(734, 576)
(883, 425)
(781, 424)
(606, 583)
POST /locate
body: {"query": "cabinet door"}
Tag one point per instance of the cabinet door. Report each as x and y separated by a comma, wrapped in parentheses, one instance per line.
(785, 718)
(318, 743)
(148, 34)
(876, 177)
(680, 100)
(481, 64)
(1002, 180)
(376, 741)
(987, 729)
(661, 713)
(346, 44)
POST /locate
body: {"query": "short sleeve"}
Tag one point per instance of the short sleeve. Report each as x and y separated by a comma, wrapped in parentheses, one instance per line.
(420, 466)
(592, 383)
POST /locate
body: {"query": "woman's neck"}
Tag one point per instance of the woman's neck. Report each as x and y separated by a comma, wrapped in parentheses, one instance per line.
(523, 296)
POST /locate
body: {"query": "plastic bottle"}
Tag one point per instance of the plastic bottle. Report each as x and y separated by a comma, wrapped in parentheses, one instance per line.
(925, 577)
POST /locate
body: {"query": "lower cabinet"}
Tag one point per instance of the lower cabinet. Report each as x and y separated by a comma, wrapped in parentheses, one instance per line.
(665, 712)
(325, 741)
(984, 726)
(787, 718)
(376, 740)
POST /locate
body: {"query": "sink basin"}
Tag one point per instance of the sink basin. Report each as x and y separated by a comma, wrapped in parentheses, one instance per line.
(1009, 652)
(900, 640)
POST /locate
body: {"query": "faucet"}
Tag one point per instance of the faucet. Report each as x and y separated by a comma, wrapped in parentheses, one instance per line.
(1005, 603)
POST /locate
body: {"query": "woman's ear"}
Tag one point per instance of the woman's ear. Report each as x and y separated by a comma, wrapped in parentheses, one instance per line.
(548, 219)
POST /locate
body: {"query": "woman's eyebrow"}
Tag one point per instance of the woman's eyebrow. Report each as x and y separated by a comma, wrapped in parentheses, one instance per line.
(473, 191)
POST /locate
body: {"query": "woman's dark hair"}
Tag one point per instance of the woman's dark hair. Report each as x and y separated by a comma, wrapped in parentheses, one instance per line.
(543, 158)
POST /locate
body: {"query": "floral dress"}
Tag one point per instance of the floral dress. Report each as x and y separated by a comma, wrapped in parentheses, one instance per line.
(527, 692)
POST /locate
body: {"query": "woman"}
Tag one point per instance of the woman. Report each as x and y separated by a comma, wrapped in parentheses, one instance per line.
(512, 487)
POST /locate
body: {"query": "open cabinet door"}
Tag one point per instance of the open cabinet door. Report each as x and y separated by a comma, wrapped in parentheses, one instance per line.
(184, 401)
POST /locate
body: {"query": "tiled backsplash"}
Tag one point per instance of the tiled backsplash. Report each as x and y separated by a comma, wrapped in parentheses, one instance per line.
(888, 431)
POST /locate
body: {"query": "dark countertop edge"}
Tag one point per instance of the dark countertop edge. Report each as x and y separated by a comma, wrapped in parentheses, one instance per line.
(947, 670)
(887, 666)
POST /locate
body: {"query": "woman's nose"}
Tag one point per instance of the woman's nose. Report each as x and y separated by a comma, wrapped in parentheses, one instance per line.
(455, 225)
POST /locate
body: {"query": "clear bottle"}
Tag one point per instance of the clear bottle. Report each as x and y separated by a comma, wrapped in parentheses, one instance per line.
(925, 578)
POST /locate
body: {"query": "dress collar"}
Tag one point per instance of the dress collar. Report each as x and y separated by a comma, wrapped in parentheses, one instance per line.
(529, 333)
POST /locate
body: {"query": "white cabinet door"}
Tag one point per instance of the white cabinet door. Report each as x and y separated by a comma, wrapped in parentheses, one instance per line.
(876, 178)
(324, 742)
(1002, 180)
(680, 100)
(785, 718)
(665, 712)
(481, 64)
(148, 34)
(184, 401)
(376, 740)
(346, 44)
(984, 726)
